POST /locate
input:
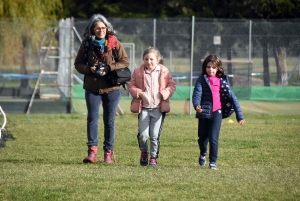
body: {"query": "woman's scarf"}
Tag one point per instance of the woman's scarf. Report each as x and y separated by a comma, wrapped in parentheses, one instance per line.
(100, 44)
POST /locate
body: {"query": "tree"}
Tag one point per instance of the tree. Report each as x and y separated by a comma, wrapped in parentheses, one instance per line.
(233, 9)
(22, 28)
(110, 8)
(265, 9)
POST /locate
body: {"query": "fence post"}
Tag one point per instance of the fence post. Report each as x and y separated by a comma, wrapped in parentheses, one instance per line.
(71, 63)
(154, 32)
(192, 62)
(249, 54)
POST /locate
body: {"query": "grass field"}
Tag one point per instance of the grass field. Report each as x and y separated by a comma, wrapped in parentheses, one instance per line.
(257, 161)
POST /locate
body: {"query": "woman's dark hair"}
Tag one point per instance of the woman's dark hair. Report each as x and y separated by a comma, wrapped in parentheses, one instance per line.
(89, 30)
(216, 62)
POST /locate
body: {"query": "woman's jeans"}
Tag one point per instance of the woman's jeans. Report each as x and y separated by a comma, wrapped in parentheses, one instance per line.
(209, 131)
(110, 103)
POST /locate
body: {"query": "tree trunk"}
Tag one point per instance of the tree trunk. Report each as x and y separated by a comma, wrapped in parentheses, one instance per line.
(266, 72)
(278, 80)
(280, 60)
(24, 82)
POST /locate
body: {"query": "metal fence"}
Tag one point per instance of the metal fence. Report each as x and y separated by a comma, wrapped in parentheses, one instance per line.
(254, 52)
(259, 53)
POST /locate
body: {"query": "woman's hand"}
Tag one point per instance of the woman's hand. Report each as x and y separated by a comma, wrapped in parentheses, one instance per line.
(93, 69)
(198, 109)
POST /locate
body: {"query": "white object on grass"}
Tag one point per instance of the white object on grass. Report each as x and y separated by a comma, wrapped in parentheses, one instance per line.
(4, 123)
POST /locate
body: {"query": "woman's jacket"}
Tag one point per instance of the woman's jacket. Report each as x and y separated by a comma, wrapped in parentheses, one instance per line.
(85, 59)
(137, 83)
(202, 96)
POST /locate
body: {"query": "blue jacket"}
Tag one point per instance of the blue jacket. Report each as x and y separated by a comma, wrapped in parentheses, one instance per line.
(202, 95)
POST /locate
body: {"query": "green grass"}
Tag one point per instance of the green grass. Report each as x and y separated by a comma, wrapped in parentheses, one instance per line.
(257, 161)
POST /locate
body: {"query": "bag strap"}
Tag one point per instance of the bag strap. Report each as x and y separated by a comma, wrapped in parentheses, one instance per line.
(115, 54)
(86, 49)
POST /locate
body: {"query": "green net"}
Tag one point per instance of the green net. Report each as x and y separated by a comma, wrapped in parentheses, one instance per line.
(255, 99)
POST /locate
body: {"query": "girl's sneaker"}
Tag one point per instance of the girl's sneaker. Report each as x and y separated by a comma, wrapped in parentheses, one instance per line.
(153, 162)
(213, 166)
(202, 160)
(144, 159)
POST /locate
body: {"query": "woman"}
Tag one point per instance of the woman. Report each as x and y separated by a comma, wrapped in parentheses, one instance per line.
(95, 59)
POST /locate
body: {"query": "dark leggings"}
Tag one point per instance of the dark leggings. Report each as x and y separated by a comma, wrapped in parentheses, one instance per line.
(209, 131)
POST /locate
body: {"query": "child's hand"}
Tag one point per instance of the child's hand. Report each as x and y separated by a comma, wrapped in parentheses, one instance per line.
(140, 94)
(198, 109)
(241, 122)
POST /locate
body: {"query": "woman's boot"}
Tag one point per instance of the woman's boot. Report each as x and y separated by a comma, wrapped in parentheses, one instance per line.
(109, 156)
(92, 155)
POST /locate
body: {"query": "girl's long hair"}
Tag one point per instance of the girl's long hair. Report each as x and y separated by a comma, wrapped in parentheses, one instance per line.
(216, 60)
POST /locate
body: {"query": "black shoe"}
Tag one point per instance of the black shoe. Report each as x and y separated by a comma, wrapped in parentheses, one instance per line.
(144, 159)
(202, 160)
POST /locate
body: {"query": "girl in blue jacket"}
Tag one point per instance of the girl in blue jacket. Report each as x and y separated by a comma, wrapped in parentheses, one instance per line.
(213, 101)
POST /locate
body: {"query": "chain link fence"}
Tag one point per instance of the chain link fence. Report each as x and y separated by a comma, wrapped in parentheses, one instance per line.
(262, 53)
(256, 53)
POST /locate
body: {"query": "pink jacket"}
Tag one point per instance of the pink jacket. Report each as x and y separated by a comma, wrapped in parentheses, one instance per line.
(167, 87)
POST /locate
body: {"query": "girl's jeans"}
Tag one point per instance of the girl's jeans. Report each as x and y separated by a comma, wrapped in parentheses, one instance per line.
(209, 131)
(110, 103)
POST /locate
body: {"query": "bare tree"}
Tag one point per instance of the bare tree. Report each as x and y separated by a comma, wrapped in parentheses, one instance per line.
(22, 26)
(281, 66)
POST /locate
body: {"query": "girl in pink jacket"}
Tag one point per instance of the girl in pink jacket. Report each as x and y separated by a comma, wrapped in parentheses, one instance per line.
(151, 86)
